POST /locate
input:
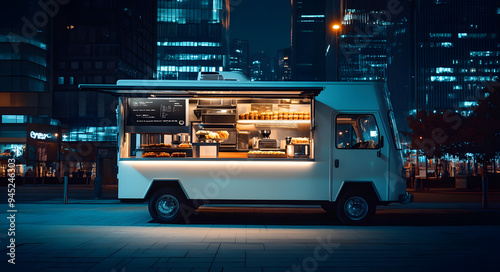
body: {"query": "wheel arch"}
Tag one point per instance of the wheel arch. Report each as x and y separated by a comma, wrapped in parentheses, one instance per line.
(158, 184)
(366, 186)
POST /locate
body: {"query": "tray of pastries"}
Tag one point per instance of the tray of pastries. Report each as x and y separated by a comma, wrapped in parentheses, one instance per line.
(185, 145)
(300, 140)
(149, 155)
(266, 154)
(149, 146)
(164, 155)
(178, 155)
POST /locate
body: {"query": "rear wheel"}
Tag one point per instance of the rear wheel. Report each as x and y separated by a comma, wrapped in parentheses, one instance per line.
(355, 208)
(165, 205)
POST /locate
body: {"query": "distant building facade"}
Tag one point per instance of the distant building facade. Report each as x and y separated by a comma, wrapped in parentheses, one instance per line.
(97, 42)
(192, 37)
(308, 40)
(26, 90)
(363, 41)
(283, 65)
(100, 42)
(238, 56)
(262, 67)
(456, 52)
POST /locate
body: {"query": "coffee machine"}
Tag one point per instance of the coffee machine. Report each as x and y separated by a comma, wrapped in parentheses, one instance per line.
(266, 143)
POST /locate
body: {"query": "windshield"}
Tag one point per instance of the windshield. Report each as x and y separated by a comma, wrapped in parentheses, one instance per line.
(394, 130)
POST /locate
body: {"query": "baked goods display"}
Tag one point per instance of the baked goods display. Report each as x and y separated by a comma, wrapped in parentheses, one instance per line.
(166, 150)
(202, 132)
(156, 146)
(149, 155)
(212, 135)
(266, 154)
(164, 155)
(300, 140)
(275, 115)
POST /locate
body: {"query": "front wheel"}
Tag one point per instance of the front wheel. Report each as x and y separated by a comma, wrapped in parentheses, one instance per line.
(165, 205)
(355, 208)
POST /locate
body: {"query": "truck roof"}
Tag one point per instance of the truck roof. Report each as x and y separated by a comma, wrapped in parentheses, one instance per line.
(340, 95)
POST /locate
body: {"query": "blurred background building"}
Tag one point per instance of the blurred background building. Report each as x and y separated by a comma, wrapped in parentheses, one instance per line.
(192, 37)
(47, 50)
(457, 49)
(262, 67)
(283, 65)
(238, 56)
(308, 40)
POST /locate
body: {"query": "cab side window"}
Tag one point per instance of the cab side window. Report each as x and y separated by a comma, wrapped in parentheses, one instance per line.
(356, 131)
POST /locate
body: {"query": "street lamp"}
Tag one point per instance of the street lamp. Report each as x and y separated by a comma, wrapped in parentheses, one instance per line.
(336, 29)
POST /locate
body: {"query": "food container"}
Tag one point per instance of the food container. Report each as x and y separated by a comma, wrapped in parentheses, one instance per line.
(298, 151)
(243, 138)
(181, 138)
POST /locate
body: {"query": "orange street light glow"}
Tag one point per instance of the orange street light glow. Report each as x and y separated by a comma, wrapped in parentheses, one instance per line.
(336, 27)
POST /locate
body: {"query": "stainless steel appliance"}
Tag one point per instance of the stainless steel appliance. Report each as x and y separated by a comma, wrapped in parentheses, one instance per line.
(243, 140)
(217, 110)
(230, 143)
(220, 114)
(298, 150)
(181, 138)
(269, 144)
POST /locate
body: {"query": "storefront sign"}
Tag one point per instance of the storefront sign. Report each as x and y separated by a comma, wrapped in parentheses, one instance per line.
(40, 136)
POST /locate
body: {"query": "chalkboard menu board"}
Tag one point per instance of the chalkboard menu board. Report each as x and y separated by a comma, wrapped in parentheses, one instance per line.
(156, 112)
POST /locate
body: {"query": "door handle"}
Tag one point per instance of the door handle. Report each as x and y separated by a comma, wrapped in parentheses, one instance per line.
(337, 163)
(379, 153)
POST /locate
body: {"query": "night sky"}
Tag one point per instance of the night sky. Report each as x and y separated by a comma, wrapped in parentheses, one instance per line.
(264, 23)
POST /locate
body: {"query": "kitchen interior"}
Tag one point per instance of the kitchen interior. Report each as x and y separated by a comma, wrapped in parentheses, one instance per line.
(236, 128)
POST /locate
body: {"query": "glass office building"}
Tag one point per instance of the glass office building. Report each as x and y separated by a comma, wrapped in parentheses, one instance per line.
(25, 89)
(457, 51)
(238, 56)
(283, 65)
(192, 37)
(363, 41)
(308, 40)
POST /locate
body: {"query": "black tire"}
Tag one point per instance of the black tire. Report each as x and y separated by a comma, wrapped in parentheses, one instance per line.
(355, 207)
(329, 207)
(166, 205)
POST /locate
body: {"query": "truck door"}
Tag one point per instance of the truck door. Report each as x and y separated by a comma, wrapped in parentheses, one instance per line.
(360, 151)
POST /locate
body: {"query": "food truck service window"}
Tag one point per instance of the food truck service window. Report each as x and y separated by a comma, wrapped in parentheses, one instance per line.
(217, 128)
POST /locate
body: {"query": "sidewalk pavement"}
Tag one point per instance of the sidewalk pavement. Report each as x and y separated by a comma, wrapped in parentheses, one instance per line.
(445, 198)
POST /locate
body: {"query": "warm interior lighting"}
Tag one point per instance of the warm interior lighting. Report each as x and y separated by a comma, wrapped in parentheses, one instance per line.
(336, 27)
(273, 121)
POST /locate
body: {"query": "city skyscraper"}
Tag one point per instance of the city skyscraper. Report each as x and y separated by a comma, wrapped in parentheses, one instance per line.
(100, 42)
(308, 40)
(363, 41)
(262, 67)
(238, 56)
(283, 65)
(457, 50)
(25, 62)
(192, 37)
(25, 86)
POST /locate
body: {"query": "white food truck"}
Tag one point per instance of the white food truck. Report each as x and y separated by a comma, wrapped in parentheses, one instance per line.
(183, 144)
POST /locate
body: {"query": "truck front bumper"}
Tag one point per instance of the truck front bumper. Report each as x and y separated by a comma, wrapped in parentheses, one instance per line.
(406, 198)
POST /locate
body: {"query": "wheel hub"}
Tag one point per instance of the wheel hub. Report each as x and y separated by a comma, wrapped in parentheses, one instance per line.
(356, 208)
(167, 206)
